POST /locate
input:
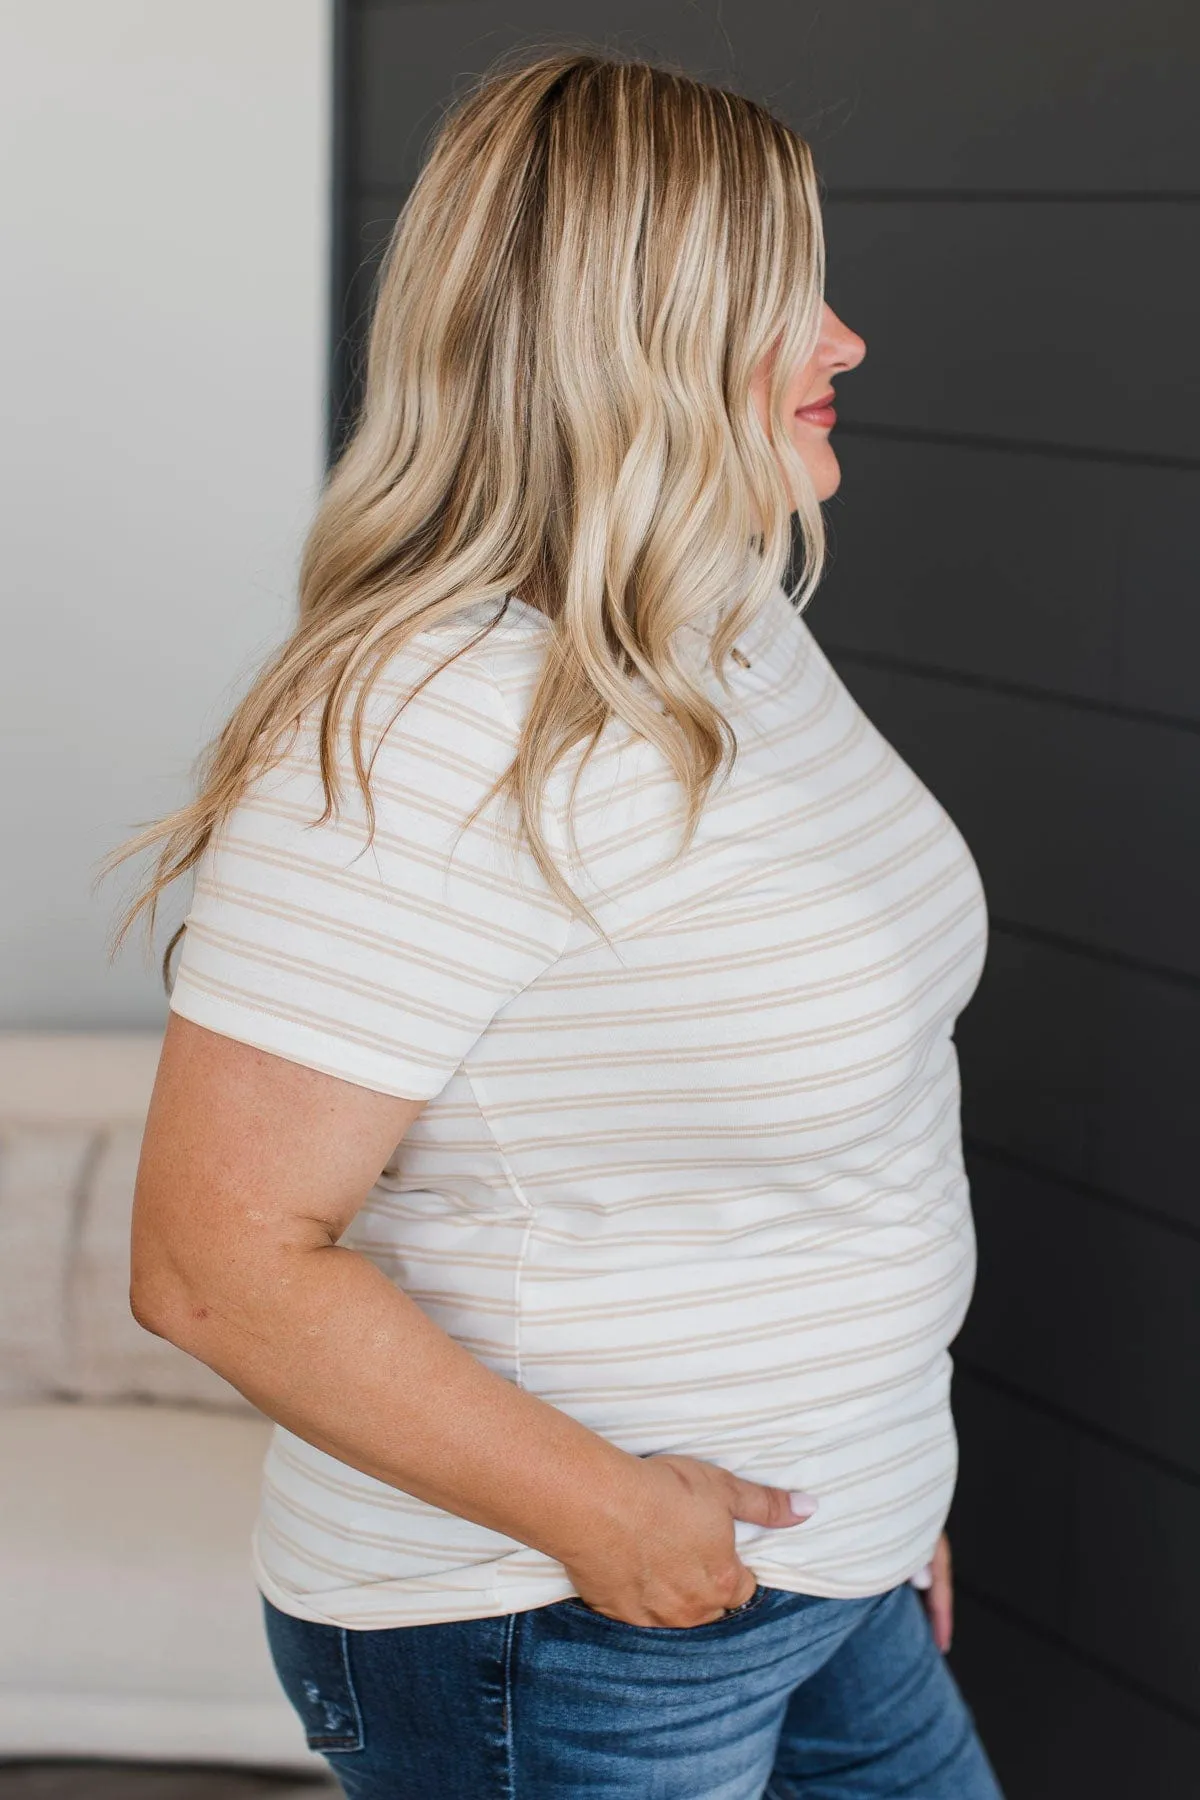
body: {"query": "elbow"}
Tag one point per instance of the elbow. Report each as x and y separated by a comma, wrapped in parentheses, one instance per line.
(162, 1301)
(149, 1306)
(158, 1308)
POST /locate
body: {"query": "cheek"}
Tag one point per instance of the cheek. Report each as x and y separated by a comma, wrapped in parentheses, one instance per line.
(802, 387)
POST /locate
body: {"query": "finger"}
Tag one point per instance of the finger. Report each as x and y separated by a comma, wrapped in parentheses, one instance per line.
(944, 1572)
(941, 1616)
(925, 1594)
(940, 1598)
(761, 1505)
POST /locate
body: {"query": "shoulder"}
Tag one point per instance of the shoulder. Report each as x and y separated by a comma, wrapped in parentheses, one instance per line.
(432, 731)
(465, 683)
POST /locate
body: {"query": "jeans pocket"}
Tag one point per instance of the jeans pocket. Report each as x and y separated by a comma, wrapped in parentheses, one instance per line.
(312, 1662)
(757, 1598)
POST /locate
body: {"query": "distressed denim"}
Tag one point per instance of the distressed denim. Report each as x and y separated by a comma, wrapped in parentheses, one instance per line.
(788, 1697)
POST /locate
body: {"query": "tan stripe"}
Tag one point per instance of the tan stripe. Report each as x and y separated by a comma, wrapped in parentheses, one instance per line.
(286, 1503)
(685, 911)
(746, 1382)
(351, 1574)
(840, 1217)
(741, 1418)
(386, 1202)
(857, 787)
(734, 1132)
(662, 782)
(757, 910)
(321, 976)
(633, 1354)
(380, 943)
(852, 981)
(297, 1015)
(780, 1044)
(661, 778)
(707, 1336)
(488, 879)
(415, 1255)
(363, 1489)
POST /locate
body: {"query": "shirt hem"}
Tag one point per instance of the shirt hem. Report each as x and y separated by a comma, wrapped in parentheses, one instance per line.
(259, 1029)
(386, 1608)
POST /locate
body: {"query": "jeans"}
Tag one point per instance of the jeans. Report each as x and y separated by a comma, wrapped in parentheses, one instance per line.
(786, 1696)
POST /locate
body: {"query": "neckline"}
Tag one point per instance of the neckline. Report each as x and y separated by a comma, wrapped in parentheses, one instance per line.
(768, 650)
(775, 615)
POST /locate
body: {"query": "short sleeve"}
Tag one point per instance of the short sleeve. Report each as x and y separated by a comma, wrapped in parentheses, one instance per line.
(380, 964)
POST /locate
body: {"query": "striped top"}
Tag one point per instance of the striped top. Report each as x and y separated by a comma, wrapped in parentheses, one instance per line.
(701, 1186)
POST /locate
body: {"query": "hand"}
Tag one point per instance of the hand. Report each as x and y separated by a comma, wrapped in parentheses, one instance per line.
(675, 1562)
(936, 1586)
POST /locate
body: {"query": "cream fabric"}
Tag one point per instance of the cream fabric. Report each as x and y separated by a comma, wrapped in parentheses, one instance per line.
(700, 1186)
(113, 1357)
(41, 1173)
(72, 1109)
(77, 1078)
(130, 1625)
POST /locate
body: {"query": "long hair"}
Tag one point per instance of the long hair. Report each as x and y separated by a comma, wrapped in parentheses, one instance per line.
(594, 260)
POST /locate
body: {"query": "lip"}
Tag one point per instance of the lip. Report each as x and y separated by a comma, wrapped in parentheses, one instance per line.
(821, 412)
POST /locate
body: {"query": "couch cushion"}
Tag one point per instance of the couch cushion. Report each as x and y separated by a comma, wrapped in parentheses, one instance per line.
(131, 1625)
(42, 1173)
(72, 1110)
(77, 1077)
(113, 1358)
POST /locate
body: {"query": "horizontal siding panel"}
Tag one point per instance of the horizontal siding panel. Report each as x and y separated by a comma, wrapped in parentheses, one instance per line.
(1135, 1599)
(1080, 1540)
(1083, 824)
(1010, 1521)
(1009, 93)
(403, 54)
(1087, 1070)
(1069, 324)
(1003, 94)
(1056, 1727)
(1124, 1356)
(1054, 574)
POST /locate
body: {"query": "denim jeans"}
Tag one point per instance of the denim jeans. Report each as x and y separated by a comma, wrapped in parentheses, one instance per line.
(786, 1696)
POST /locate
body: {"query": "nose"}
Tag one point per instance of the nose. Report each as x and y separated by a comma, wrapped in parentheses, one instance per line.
(841, 348)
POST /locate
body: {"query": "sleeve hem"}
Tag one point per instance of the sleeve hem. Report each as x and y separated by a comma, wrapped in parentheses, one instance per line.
(311, 1049)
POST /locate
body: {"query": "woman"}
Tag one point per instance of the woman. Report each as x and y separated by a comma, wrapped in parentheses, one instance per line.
(557, 1127)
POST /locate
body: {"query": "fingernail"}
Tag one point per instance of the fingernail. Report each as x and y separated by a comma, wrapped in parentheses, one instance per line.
(803, 1505)
(923, 1577)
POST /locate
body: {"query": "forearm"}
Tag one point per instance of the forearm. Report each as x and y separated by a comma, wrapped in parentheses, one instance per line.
(326, 1345)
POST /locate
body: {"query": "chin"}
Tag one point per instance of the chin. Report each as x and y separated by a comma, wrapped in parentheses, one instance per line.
(824, 490)
(828, 479)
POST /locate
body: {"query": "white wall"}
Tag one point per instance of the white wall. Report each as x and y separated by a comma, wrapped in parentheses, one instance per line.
(165, 181)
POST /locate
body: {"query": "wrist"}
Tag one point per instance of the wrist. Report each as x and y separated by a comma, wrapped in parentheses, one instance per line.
(598, 1510)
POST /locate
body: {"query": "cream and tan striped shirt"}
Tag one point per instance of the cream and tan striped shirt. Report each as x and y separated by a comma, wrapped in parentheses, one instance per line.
(702, 1186)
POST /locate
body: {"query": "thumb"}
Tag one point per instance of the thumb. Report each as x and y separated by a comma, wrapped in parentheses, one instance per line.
(762, 1505)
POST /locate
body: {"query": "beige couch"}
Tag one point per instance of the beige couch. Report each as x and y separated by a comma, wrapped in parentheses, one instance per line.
(129, 1622)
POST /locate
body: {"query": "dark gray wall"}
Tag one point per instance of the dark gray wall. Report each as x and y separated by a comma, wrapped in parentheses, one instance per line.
(1013, 227)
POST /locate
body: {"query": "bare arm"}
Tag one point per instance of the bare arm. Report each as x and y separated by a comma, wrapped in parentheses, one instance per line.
(252, 1167)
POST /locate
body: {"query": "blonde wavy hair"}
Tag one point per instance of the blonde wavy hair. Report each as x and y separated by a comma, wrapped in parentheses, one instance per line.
(596, 257)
